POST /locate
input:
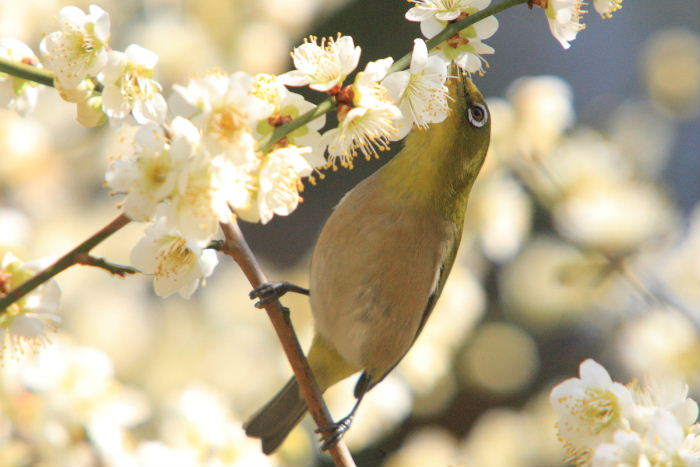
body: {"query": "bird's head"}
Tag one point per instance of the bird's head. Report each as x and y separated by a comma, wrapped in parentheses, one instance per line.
(445, 158)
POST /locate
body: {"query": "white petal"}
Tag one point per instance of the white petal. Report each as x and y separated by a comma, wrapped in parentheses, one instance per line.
(593, 373)
(349, 54)
(419, 57)
(486, 28)
(418, 14)
(295, 78)
(396, 84)
(141, 56)
(431, 27)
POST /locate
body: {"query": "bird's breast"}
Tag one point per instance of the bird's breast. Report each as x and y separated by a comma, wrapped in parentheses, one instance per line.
(373, 269)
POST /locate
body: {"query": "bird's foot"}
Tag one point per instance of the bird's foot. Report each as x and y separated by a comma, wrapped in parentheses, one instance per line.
(330, 435)
(270, 291)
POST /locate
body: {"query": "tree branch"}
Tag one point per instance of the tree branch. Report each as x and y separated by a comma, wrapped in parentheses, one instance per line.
(75, 256)
(86, 259)
(237, 248)
(28, 72)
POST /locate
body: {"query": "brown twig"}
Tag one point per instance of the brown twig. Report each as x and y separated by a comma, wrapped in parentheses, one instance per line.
(237, 248)
(75, 256)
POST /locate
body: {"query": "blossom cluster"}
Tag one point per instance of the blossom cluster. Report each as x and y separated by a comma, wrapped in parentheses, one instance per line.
(604, 423)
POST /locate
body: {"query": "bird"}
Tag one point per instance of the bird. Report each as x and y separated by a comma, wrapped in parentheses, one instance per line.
(381, 261)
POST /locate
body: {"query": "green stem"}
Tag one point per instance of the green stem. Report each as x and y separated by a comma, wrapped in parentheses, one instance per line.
(75, 256)
(28, 72)
(401, 64)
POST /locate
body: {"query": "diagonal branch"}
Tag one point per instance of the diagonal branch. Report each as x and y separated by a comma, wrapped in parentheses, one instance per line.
(237, 248)
(75, 256)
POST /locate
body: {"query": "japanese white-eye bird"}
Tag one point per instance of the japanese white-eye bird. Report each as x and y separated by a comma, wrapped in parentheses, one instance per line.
(382, 259)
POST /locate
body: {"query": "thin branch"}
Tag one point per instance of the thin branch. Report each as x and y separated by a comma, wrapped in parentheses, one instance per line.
(28, 72)
(69, 259)
(120, 270)
(237, 248)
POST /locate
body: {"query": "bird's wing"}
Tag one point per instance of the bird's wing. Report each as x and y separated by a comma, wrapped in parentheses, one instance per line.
(441, 277)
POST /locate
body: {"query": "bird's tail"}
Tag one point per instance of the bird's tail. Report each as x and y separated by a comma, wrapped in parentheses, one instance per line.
(277, 418)
(273, 422)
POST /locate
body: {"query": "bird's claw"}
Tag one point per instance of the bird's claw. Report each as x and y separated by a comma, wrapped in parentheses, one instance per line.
(266, 294)
(270, 291)
(330, 435)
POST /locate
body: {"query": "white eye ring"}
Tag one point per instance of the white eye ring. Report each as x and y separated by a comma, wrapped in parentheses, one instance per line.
(478, 115)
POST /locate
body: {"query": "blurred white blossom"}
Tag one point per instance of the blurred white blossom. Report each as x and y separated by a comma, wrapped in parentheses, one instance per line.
(661, 342)
(551, 283)
(671, 67)
(590, 214)
(606, 8)
(543, 109)
(80, 48)
(79, 386)
(500, 213)
(25, 323)
(18, 94)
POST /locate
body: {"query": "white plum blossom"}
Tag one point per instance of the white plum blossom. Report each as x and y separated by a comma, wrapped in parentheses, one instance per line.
(150, 174)
(367, 88)
(466, 47)
(279, 181)
(365, 128)
(664, 444)
(564, 18)
(434, 15)
(606, 424)
(420, 91)
(79, 48)
(668, 395)
(590, 408)
(322, 66)
(367, 122)
(606, 8)
(176, 264)
(204, 188)
(18, 94)
(224, 109)
(129, 87)
(24, 324)
(288, 106)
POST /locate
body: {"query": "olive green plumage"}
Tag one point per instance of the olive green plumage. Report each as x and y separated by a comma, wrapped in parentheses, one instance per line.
(383, 257)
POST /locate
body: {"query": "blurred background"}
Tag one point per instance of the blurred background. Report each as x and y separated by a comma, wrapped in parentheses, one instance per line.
(582, 241)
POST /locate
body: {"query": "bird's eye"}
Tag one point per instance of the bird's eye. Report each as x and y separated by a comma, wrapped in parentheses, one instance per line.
(478, 115)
